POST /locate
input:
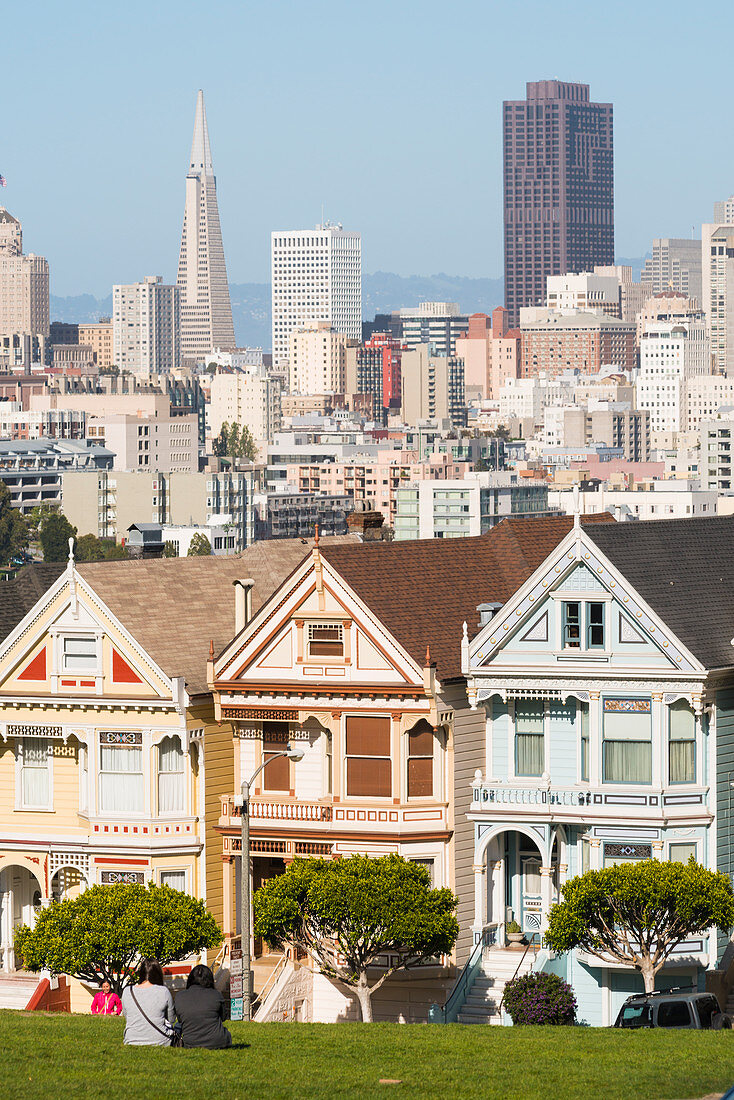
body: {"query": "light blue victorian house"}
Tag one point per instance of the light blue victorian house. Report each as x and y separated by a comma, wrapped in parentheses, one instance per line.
(607, 680)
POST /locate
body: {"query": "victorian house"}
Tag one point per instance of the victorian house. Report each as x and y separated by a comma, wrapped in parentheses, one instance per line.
(600, 730)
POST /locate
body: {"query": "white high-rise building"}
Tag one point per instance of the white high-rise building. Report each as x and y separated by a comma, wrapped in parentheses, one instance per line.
(670, 355)
(316, 276)
(206, 311)
(724, 211)
(317, 359)
(146, 327)
(717, 255)
(248, 397)
(585, 291)
(24, 283)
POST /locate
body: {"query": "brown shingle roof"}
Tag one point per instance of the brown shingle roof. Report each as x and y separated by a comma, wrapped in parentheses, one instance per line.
(18, 596)
(173, 606)
(424, 590)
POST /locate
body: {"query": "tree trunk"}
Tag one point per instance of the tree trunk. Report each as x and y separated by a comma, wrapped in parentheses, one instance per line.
(365, 999)
(648, 975)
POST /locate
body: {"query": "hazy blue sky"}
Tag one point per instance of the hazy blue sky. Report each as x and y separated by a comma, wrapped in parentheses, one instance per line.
(388, 113)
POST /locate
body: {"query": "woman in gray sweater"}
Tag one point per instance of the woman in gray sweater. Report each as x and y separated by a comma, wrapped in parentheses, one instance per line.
(148, 1008)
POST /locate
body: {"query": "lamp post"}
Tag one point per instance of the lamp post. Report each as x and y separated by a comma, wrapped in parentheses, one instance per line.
(295, 753)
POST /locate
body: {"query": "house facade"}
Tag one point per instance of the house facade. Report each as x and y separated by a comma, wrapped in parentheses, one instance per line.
(603, 693)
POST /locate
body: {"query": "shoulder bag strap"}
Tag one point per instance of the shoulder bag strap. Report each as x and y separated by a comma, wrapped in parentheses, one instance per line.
(143, 1013)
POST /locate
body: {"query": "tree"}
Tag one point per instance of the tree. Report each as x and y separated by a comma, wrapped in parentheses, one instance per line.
(115, 552)
(13, 527)
(37, 517)
(54, 535)
(235, 441)
(638, 913)
(102, 934)
(89, 548)
(345, 913)
(169, 550)
(199, 547)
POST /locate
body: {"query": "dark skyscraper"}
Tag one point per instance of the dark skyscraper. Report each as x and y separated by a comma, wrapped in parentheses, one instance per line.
(559, 188)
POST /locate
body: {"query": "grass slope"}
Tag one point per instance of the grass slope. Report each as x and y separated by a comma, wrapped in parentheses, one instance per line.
(49, 1056)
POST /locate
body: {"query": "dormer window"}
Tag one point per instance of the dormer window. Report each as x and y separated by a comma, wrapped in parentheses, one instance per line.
(582, 624)
(80, 654)
(325, 640)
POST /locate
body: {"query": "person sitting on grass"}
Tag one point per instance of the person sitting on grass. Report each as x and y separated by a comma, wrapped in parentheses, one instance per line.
(201, 1009)
(106, 1003)
(148, 1008)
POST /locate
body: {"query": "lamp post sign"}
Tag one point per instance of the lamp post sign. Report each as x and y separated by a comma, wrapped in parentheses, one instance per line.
(235, 985)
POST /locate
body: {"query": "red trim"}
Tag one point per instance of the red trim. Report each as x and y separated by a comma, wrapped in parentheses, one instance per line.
(123, 862)
(39, 993)
(35, 669)
(122, 673)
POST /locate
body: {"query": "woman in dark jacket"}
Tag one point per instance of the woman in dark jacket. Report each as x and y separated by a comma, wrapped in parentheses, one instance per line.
(201, 1009)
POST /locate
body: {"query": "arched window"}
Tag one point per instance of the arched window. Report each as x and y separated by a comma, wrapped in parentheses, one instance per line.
(171, 776)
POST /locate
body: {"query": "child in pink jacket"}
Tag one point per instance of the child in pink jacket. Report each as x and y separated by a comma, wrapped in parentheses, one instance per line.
(106, 1003)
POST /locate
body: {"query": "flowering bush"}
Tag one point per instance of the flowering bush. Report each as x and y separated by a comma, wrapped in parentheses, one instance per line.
(540, 999)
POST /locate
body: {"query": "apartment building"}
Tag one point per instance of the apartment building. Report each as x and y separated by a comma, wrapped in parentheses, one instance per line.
(670, 355)
(705, 395)
(34, 470)
(470, 506)
(166, 444)
(588, 292)
(716, 452)
(615, 425)
(316, 275)
(99, 337)
(317, 359)
(249, 397)
(438, 324)
(433, 387)
(146, 326)
(554, 342)
(15, 423)
(675, 265)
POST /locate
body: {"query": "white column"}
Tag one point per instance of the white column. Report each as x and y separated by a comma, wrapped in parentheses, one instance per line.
(595, 736)
(480, 897)
(546, 895)
(595, 855)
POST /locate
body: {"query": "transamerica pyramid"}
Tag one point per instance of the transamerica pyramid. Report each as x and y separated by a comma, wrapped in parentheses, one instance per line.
(206, 312)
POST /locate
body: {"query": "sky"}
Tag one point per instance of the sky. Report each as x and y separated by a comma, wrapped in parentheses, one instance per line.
(387, 114)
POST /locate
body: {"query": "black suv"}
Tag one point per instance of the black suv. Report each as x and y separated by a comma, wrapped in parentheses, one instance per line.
(673, 1008)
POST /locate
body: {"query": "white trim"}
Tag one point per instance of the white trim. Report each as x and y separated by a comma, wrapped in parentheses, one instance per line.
(19, 804)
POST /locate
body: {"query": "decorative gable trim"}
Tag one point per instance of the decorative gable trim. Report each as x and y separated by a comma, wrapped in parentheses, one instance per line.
(538, 632)
(35, 669)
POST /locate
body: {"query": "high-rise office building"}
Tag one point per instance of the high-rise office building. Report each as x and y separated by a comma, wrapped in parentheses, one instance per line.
(724, 211)
(206, 311)
(558, 188)
(675, 264)
(717, 254)
(24, 284)
(146, 327)
(316, 276)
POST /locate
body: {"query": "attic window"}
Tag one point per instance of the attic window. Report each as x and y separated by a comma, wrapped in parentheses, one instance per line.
(80, 654)
(325, 640)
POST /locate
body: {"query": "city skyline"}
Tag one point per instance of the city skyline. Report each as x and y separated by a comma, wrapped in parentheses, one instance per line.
(116, 216)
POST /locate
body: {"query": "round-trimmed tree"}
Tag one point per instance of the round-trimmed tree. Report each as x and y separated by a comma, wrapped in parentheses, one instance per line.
(103, 933)
(346, 913)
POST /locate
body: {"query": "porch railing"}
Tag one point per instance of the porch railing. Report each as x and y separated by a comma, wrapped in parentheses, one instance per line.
(275, 810)
(499, 794)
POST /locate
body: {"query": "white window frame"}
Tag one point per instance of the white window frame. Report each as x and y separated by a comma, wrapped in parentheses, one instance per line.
(582, 598)
(119, 814)
(67, 636)
(174, 871)
(19, 802)
(332, 625)
(84, 797)
(185, 772)
(529, 780)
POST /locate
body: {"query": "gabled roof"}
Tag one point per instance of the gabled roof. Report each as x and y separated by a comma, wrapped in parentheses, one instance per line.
(174, 606)
(19, 595)
(684, 569)
(424, 590)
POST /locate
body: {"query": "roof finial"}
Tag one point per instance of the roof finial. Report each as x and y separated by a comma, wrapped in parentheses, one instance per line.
(211, 649)
(316, 534)
(465, 631)
(71, 548)
(428, 656)
(576, 507)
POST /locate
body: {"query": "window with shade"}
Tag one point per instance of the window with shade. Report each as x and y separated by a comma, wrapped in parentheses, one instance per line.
(369, 765)
(584, 723)
(420, 761)
(682, 745)
(121, 781)
(325, 640)
(79, 654)
(627, 746)
(171, 776)
(529, 738)
(277, 770)
(35, 774)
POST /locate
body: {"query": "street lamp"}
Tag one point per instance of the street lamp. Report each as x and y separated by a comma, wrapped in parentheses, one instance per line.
(295, 753)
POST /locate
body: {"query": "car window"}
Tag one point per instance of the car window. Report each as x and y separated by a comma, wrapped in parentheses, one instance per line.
(674, 1014)
(707, 1008)
(635, 1016)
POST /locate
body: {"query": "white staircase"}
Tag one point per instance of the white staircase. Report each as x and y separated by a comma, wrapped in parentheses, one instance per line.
(482, 1005)
(17, 990)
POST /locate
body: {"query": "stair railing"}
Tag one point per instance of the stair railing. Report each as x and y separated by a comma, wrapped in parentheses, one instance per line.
(531, 943)
(447, 1013)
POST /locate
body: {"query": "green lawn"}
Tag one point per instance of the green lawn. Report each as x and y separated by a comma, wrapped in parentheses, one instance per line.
(45, 1056)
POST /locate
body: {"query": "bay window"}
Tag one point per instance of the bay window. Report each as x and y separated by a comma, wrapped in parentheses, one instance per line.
(121, 783)
(584, 724)
(627, 745)
(171, 776)
(369, 764)
(682, 743)
(529, 738)
(277, 770)
(175, 879)
(35, 774)
(420, 761)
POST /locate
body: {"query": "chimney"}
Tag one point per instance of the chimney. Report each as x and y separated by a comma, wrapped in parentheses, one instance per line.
(487, 611)
(242, 603)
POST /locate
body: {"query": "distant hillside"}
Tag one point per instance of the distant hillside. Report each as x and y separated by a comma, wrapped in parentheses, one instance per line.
(383, 292)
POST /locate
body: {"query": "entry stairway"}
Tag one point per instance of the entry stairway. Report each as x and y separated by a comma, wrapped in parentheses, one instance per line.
(499, 965)
(17, 989)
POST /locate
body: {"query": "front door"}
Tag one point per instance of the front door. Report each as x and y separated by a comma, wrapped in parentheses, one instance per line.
(19, 894)
(263, 869)
(531, 899)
